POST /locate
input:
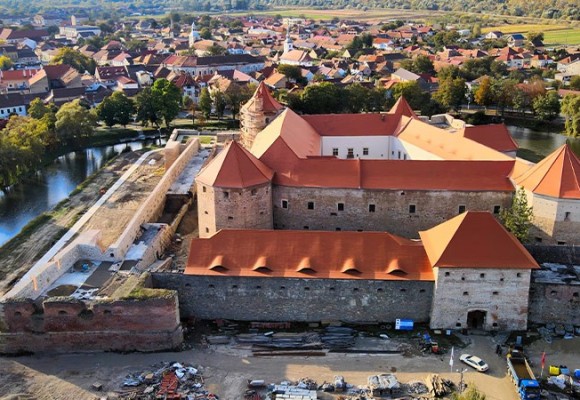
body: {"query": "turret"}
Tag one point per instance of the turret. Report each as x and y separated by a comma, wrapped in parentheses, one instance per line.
(234, 191)
(257, 113)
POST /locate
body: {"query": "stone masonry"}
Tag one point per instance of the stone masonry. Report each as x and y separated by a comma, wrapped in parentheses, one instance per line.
(502, 294)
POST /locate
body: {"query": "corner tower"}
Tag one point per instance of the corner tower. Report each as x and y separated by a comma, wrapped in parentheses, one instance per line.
(234, 191)
(257, 113)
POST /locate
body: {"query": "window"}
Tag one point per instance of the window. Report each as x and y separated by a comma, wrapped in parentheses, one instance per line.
(461, 209)
(258, 287)
(284, 203)
(338, 229)
(254, 191)
(230, 217)
(575, 294)
(447, 274)
(519, 275)
(422, 291)
(398, 155)
(412, 209)
(204, 189)
(340, 206)
(306, 288)
(350, 153)
(458, 324)
(234, 286)
(335, 151)
(482, 275)
(495, 293)
(282, 287)
(210, 286)
(538, 239)
(496, 209)
(403, 290)
(465, 293)
(404, 156)
(567, 216)
(365, 151)
(333, 214)
(371, 208)
(226, 195)
(380, 290)
(306, 227)
(311, 205)
(561, 243)
(206, 230)
(355, 289)
(331, 289)
(393, 153)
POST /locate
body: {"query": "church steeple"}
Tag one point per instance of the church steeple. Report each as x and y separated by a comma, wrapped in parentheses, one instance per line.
(194, 35)
(288, 46)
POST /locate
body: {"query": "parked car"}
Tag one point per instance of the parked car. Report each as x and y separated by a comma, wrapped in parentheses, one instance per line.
(474, 362)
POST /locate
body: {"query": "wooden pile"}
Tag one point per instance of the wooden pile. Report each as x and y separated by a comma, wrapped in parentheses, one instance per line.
(438, 386)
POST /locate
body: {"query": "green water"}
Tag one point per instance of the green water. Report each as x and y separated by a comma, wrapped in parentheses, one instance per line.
(541, 143)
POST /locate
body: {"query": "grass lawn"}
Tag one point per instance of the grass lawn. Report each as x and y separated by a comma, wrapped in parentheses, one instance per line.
(562, 37)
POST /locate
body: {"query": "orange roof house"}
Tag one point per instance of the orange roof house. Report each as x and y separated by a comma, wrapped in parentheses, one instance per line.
(557, 175)
(475, 240)
(263, 100)
(309, 254)
(235, 167)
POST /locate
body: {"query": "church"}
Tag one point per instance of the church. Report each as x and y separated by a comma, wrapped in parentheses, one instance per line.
(372, 217)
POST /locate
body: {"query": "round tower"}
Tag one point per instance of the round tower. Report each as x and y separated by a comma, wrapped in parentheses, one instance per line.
(257, 113)
(234, 191)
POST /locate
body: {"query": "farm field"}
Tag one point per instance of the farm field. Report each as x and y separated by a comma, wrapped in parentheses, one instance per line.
(557, 34)
(369, 15)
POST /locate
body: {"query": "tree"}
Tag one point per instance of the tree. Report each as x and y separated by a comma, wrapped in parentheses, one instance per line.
(575, 82)
(451, 92)
(412, 92)
(534, 35)
(423, 64)
(547, 107)
(37, 109)
(219, 103)
(116, 109)
(215, 50)
(5, 63)
(74, 122)
(205, 33)
(74, 58)
(518, 218)
(483, 95)
(323, 98)
(471, 394)
(146, 108)
(237, 95)
(571, 111)
(166, 100)
(503, 91)
(205, 102)
(292, 72)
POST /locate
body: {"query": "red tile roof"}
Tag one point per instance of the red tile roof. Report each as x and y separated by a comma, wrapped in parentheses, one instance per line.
(495, 136)
(262, 100)
(235, 167)
(557, 175)
(353, 124)
(401, 107)
(475, 240)
(309, 254)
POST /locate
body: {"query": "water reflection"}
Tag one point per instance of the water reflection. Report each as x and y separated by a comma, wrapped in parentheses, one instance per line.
(542, 143)
(48, 187)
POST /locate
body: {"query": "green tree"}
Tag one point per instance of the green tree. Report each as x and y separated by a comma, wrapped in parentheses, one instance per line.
(423, 64)
(74, 58)
(5, 63)
(74, 122)
(215, 50)
(356, 97)
(571, 111)
(205, 102)
(470, 394)
(219, 103)
(37, 109)
(116, 109)
(147, 108)
(547, 107)
(292, 72)
(166, 100)
(322, 98)
(237, 95)
(205, 33)
(518, 218)
(575, 82)
(503, 91)
(534, 35)
(413, 93)
(451, 93)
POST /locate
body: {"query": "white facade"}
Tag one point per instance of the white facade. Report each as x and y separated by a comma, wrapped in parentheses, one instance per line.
(5, 112)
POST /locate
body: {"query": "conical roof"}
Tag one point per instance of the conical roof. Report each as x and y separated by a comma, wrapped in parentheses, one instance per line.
(235, 167)
(263, 101)
(557, 175)
(475, 239)
(401, 107)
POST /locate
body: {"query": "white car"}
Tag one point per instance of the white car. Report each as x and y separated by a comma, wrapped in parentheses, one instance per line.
(474, 362)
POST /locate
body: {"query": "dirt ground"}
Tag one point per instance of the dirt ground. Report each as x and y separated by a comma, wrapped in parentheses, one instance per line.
(17, 257)
(226, 370)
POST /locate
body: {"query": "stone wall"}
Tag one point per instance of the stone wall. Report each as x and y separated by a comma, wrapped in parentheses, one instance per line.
(152, 207)
(285, 299)
(501, 293)
(249, 208)
(392, 211)
(63, 325)
(569, 255)
(553, 302)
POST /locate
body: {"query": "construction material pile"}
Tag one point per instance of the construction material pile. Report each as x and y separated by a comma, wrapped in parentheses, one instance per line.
(338, 337)
(438, 386)
(166, 381)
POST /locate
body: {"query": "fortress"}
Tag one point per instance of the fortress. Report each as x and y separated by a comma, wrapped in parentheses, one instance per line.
(300, 209)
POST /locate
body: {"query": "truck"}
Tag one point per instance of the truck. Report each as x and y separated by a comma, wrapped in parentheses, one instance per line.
(522, 376)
